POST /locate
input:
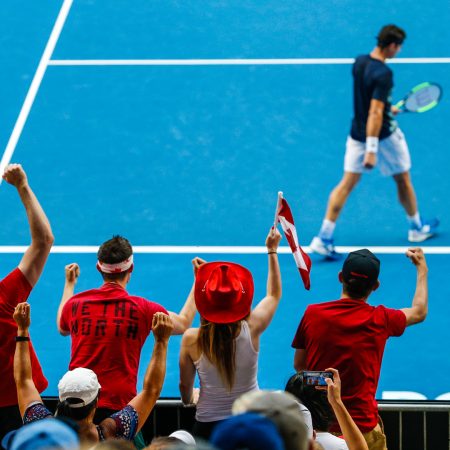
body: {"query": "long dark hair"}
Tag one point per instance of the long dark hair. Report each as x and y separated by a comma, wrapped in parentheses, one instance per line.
(315, 400)
(64, 409)
(217, 341)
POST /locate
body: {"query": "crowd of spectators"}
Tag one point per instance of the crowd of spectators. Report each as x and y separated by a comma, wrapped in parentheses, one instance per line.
(99, 406)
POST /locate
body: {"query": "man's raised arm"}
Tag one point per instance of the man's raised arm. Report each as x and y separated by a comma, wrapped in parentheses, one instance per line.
(72, 274)
(419, 309)
(33, 261)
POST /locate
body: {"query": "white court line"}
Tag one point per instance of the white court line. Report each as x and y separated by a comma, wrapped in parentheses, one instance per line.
(238, 250)
(231, 62)
(34, 87)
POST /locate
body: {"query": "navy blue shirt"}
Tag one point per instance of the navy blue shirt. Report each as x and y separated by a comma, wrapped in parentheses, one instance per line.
(371, 79)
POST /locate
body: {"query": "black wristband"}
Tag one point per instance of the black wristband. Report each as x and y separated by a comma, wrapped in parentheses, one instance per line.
(22, 338)
(269, 253)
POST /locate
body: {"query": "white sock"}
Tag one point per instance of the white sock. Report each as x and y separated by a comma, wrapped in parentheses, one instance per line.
(327, 229)
(415, 220)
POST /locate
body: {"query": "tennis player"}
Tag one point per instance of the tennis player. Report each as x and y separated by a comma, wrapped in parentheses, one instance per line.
(375, 138)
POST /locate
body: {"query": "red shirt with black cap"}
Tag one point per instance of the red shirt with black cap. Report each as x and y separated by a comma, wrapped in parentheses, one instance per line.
(350, 335)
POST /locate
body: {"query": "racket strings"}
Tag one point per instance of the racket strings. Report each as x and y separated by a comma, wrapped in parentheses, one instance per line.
(423, 99)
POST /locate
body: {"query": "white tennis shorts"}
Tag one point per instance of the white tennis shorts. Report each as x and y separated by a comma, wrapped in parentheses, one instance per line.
(393, 155)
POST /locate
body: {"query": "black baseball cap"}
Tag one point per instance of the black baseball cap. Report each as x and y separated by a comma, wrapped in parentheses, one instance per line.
(361, 266)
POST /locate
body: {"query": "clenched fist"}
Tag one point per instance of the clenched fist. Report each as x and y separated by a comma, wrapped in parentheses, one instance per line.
(15, 175)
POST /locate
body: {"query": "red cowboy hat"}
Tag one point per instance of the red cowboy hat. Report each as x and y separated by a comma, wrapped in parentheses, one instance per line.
(223, 292)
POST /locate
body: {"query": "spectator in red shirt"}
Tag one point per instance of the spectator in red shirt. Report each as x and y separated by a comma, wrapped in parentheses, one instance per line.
(350, 334)
(16, 288)
(108, 326)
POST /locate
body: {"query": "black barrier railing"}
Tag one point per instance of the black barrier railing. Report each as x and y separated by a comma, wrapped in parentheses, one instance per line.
(408, 425)
(416, 425)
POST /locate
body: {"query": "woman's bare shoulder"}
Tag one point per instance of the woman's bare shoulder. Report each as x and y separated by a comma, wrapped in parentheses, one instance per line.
(190, 336)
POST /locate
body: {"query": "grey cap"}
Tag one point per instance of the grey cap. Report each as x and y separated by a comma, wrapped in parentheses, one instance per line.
(280, 407)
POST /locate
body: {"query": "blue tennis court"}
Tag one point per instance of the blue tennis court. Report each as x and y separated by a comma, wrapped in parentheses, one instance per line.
(124, 137)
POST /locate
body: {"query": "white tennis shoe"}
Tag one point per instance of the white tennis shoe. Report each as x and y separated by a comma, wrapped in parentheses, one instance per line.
(324, 247)
(426, 231)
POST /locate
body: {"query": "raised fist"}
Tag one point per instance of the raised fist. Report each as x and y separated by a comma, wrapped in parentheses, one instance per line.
(15, 175)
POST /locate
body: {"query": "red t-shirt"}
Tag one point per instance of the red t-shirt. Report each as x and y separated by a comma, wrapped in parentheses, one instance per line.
(350, 335)
(108, 329)
(14, 289)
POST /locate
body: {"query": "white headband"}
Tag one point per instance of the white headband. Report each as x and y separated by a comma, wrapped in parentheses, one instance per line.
(115, 268)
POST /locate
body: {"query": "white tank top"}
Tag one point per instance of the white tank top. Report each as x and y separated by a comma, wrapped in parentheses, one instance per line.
(215, 399)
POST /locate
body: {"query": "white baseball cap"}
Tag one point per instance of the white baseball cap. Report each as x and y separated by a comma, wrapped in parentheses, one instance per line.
(79, 383)
(183, 436)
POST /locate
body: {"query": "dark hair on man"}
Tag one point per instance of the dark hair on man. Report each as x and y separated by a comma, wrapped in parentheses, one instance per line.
(114, 251)
(355, 288)
(315, 400)
(63, 409)
(390, 34)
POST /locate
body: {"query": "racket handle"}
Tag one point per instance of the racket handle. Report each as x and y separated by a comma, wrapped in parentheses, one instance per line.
(400, 105)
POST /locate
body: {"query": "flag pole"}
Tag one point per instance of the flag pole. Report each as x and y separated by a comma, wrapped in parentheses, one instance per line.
(280, 196)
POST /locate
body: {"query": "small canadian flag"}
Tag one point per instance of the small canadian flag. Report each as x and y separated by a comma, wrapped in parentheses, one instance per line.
(284, 216)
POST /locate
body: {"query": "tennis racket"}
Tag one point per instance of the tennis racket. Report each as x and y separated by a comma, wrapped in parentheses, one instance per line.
(421, 98)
